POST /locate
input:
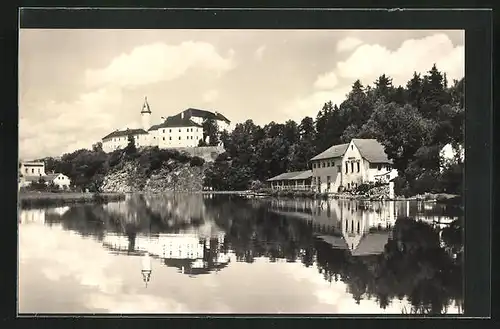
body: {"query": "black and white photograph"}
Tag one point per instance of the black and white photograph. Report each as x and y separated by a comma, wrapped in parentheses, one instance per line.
(241, 171)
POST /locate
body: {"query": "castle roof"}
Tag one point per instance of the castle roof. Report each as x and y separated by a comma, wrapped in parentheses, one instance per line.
(193, 112)
(145, 106)
(174, 122)
(126, 132)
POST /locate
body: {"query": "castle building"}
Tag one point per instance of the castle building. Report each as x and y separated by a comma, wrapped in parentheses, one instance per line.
(178, 131)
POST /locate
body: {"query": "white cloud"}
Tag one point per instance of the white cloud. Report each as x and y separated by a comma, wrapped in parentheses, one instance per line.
(259, 53)
(58, 127)
(310, 105)
(347, 44)
(210, 96)
(158, 62)
(326, 81)
(369, 61)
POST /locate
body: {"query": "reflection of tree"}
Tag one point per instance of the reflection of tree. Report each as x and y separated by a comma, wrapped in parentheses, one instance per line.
(254, 231)
(413, 265)
(418, 263)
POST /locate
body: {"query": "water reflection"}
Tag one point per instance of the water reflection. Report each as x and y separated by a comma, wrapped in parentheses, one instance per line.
(372, 250)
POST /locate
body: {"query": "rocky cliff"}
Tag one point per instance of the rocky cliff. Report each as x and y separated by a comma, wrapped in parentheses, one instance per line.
(172, 176)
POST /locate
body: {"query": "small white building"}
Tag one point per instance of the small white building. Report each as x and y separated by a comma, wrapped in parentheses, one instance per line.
(32, 168)
(60, 180)
(450, 155)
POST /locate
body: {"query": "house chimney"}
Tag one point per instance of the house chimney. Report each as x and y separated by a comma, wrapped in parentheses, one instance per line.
(182, 115)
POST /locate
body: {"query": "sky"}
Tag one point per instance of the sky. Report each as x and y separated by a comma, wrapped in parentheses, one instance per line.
(76, 86)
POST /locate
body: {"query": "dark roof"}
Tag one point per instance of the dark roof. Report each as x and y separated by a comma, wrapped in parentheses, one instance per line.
(126, 132)
(294, 175)
(371, 150)
(371, 244)
(145, 107)
(337, 242)
(176, 121)
(50, 177)
(333, 152)
(204, 114)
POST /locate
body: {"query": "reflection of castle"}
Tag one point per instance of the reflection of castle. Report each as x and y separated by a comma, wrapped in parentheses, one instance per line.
(188, 252)
(32, 216)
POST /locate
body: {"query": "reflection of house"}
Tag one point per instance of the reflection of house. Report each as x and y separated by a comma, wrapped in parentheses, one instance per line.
(297, 180)
(58, 210)
(32, 216)
(349, 165)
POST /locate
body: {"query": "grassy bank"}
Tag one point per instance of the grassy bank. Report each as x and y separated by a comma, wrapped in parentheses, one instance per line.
(44, 199)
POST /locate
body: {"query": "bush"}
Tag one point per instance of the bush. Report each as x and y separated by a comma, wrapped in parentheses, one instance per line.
(196, 161)
(364, 188)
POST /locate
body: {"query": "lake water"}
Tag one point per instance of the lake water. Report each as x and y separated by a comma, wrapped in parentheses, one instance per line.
(227, 254)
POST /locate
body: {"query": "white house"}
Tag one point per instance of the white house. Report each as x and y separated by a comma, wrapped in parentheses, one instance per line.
(349, 165)
(32, 168)
(60, 180)
(178, 131)
(34, 171)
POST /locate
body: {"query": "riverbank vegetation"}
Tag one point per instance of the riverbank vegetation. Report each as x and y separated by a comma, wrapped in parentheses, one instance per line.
(45, 199)
(88, 169)
(413, 123)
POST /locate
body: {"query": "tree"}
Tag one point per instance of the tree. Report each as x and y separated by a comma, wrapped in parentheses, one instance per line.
(210, 130)
(97, 147)
(130, 149)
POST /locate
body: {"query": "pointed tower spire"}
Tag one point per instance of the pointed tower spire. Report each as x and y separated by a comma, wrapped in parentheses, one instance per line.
(145, 107)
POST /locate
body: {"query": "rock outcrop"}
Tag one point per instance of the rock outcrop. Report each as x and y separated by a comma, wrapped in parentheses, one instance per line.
(172, 176)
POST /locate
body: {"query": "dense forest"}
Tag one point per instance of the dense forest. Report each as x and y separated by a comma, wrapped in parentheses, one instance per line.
(413, 123)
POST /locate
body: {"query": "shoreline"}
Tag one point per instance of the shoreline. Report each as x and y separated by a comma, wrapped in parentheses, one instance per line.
(42, 199)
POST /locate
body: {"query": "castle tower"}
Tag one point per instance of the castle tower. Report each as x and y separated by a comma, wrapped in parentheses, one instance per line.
(145, 115)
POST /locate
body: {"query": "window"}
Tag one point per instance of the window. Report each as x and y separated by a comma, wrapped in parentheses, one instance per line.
(352, 147)
(324, 164)
(26, 170)
(352, 167)
(163, 138)
(179, 129)
(32, 170)
(357, 163)
(179, 137)
(38, 170)
(170, 137)
(170, 130)
(346, 167)
(339, 168)
(379, 167)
